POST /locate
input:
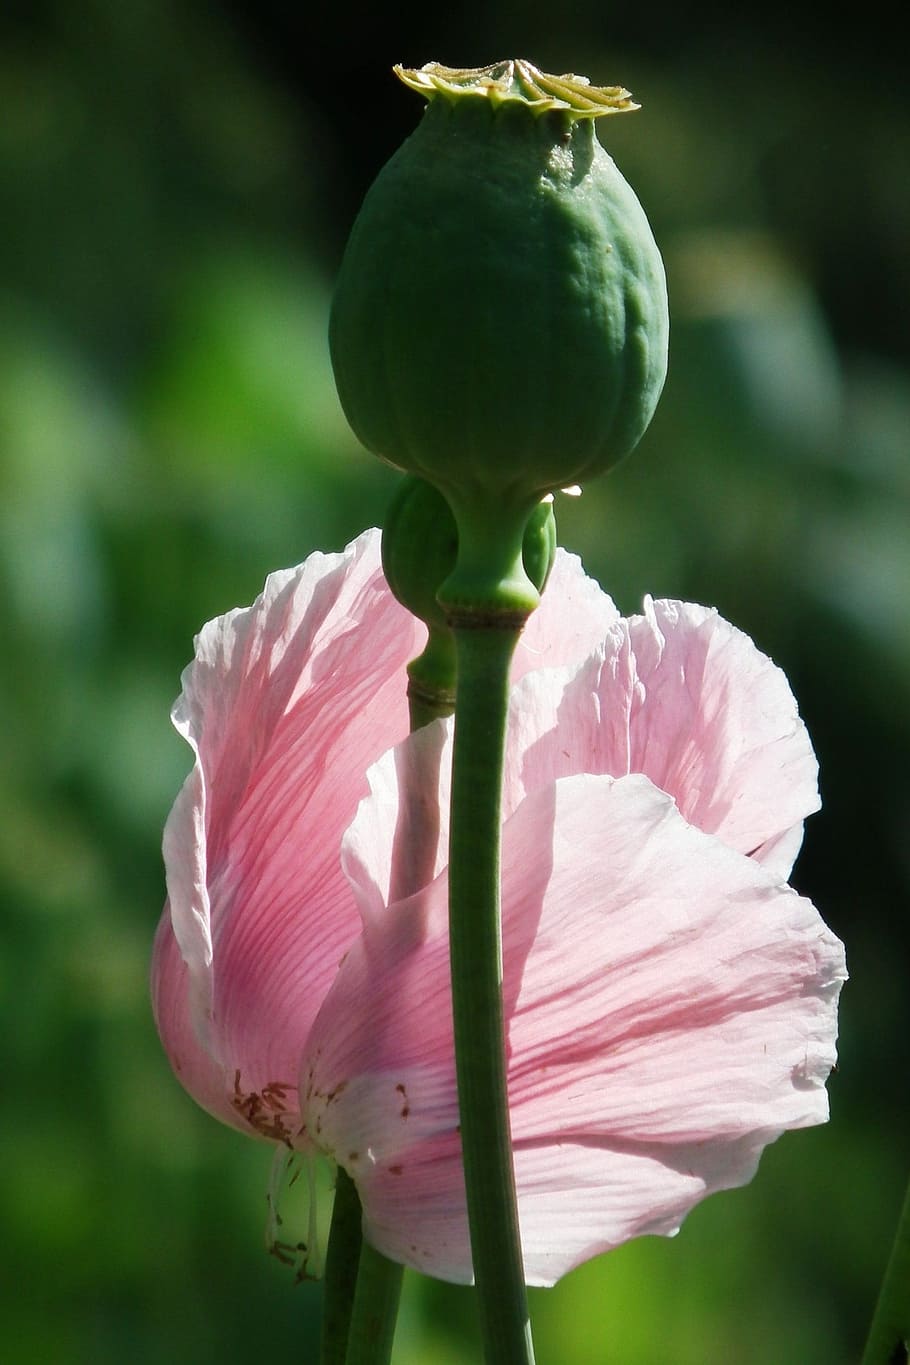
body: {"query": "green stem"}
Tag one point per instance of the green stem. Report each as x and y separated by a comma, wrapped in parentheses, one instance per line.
(341, 1262)
(889, 1335)
(484, 654)
(362, 1289)
(431, 691)
(375, 1309)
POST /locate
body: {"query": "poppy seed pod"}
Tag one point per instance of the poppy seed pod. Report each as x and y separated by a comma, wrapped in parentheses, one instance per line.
(500, 320)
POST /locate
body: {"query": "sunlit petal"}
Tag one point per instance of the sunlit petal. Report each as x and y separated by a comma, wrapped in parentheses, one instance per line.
(286, 705)
(671, 1009)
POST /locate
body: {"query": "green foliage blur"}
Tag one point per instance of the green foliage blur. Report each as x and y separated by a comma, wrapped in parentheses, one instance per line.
(176, 183)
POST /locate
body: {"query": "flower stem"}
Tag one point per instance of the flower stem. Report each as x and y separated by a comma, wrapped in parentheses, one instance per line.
(341, 1264)
(484, 653)
(362, 1289)
(427, 704)
(889, 1335)
(375, 1309)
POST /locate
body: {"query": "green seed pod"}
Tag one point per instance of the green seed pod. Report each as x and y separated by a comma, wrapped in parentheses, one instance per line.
(500, 320)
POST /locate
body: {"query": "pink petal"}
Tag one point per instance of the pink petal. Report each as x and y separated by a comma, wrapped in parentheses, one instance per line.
(710, 984)
(672, 1010)
(196, 1068)
(719, 730)
(286, 705)
(573, 617)
(685, 698)
(405, 819)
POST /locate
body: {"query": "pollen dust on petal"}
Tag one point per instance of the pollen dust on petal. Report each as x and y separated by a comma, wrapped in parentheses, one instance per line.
(405, 1106)
(266, 1110)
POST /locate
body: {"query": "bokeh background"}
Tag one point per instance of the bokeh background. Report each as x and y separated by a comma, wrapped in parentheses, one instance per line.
(176, 184)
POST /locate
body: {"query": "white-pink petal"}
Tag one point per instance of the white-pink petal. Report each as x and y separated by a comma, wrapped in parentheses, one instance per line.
(671, 1008)
(286, 705)
(398, 841)
(717, 726)
(573, 617)
(703, 1007)
(687, 699)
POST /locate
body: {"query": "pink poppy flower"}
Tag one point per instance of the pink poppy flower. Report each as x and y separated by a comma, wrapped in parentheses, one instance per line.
(671, 1002)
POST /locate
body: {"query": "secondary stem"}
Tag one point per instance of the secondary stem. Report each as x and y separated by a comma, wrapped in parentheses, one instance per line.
(341, 1263)
(889, 1335)
(375, 1309)
(362, 1289)
(484, 653)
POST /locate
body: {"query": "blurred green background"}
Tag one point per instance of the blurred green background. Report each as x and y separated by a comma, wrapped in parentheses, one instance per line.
(176, 185)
